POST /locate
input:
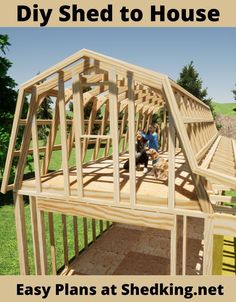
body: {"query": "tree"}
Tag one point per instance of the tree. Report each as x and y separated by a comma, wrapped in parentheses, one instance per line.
(44, 113)
(234, 92)
(190, 80)
(87, 111)
(8, 96)
(7, 100)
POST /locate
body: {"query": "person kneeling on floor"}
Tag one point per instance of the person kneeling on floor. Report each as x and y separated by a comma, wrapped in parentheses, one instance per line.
(140, 154)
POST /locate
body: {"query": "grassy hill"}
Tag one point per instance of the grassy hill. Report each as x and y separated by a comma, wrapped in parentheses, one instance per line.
(225, 108)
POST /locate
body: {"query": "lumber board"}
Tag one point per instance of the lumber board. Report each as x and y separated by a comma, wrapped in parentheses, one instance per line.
(62, 116)
(208, 246)
(52, 243)
(85, 227)
(188, 94)
(65, 240)
(35, 236)
(148, 219)
(76, 237)
(113, 105)
(78, 126)
(204, 149)
(217, 177)
(171, 163)
(14, 131)
(184, 245)
(131, 133)
(224, 224)
(93, 230)
(21, 234)
(190, 120)
(42, 241)
(36, 155)
(173, 248)
(173, 108)
(207, 160)
(26, 140)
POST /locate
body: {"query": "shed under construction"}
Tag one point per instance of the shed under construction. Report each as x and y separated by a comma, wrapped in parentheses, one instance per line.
(139, 225)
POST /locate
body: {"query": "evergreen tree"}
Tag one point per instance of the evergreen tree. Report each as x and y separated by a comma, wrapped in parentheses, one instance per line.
(45, 112)
(7, 100)
(189, 79)
(8, 97)
(234, 92)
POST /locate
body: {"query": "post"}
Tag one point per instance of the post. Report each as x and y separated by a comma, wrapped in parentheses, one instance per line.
(35, 236)
(62, 114)
(113, 107)
(171, 170)
(173, 248)
(132, 160)
(78, 122)
(208, 246)
(36, 155)
(52, 243)
(42, 242)
(184, 245)
(21, 234)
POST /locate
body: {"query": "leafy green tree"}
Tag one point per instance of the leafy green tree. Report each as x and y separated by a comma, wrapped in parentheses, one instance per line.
(190, 80)
(234, 92)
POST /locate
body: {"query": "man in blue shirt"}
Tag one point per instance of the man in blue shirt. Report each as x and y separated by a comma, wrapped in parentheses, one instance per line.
(151, 137)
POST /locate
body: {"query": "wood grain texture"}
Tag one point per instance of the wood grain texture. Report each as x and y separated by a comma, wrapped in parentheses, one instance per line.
(156, 220)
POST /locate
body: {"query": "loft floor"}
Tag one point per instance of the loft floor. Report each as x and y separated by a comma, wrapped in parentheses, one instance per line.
(99, 186)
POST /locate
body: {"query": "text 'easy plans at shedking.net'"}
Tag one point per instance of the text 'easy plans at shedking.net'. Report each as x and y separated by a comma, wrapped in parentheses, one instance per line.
(131, 289)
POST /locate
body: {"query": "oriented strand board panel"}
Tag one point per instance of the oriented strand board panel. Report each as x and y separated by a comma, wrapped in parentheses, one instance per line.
(135, 250)
(99, 186)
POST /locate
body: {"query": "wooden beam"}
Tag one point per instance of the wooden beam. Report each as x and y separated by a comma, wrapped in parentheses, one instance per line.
(26, 140)
(65, 240)
(42, 241)
(94, 230)
(184, 229)
(208, 246)
(104, 212)
(52, 243)
(78, 120)
(132, 159)
(171, 162)
(85, 227)
(35, 236)
(36, 155)
(14, 132)
(224, 224)
(21, 234)
(173, 245)
(205, 148)
(62, 115)
(113, 107)
(51, 139)
(76, 238)
(190, 120)
(211, 153)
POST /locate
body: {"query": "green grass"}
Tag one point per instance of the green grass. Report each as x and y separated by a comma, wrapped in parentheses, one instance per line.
(225, 108)
(9, 263)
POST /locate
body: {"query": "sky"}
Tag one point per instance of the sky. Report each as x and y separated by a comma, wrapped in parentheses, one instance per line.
(166, 50)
